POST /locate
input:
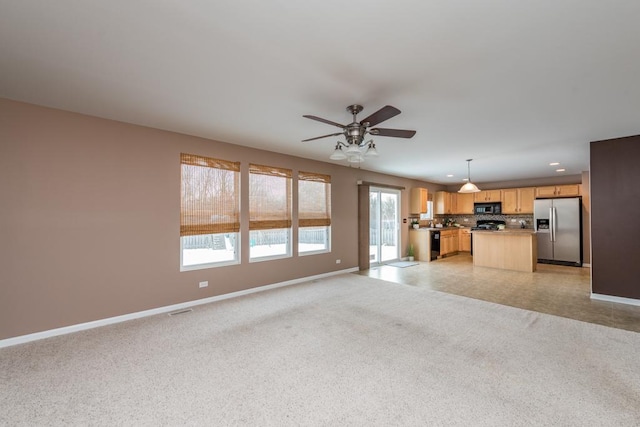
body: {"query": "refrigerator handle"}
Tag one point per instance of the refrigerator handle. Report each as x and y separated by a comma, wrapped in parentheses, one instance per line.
(553, 224)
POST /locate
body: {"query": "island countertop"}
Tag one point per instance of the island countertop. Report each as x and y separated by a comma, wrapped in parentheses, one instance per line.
(508, 231)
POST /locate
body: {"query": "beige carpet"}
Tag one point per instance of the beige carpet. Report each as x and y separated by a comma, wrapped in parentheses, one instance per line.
(348, 350)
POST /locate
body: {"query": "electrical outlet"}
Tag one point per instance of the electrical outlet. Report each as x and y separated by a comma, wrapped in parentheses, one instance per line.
(338, 261)
(204, 284)
(513, 220)
(466, 220)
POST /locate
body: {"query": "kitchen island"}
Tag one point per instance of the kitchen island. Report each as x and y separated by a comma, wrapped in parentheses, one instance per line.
(505, 249)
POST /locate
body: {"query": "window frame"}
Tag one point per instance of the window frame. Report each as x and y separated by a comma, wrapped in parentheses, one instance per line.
(315, 219)
(191, 214)
(260, 220)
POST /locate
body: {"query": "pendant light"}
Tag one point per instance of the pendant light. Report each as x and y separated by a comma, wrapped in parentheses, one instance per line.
(469, 187)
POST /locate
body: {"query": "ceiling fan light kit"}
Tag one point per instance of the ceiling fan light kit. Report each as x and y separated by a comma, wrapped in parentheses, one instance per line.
(355, 132)
(469, 187)
(371, 150)
(338, 154)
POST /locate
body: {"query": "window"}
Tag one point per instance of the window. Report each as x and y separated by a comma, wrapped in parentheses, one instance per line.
(269, 212)
(429, 214)
(314, 213)
(209, 212)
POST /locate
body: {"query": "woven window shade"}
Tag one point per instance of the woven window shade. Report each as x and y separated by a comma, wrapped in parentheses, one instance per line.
(209, 196)
(269, 197)
(314, 200)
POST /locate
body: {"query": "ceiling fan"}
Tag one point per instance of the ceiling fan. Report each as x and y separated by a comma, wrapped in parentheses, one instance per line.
(355, 132)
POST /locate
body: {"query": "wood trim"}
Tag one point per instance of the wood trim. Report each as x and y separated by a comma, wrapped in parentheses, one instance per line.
(376, 184)
(363, 226)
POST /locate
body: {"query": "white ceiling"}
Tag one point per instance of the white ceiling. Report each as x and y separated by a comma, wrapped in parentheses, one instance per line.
(514, 85)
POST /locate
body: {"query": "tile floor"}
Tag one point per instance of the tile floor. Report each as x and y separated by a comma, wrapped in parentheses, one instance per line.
(552, 289)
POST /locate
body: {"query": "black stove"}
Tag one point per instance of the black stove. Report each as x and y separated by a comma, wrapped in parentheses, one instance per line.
(488, 224)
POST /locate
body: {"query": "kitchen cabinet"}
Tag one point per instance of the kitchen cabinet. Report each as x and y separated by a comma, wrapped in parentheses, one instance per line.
(558, 191)
(418, 198)
(454, 203)
(518, 200)
(443, 203)
(448, 242)
(464, 240)
(464, 203)
(488, 196)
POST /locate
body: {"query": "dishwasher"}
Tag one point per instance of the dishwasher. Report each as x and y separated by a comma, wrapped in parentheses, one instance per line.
(435, 244)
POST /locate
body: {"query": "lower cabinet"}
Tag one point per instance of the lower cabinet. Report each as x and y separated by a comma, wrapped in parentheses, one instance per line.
(448, 242)
(451, 242)
(464, 241)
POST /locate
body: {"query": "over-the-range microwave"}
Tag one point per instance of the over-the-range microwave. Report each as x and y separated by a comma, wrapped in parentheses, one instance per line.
(487, 208)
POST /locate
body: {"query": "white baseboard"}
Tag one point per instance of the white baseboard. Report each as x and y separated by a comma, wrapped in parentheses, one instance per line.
(166, 309)
(619, 300)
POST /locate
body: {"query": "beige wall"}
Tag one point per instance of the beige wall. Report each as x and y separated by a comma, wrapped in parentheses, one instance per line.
(89, 221)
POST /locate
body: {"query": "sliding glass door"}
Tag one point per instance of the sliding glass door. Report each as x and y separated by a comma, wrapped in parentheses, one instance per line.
(384, 225)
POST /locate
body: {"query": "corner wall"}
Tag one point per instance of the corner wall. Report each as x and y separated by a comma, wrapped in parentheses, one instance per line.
(615, 208)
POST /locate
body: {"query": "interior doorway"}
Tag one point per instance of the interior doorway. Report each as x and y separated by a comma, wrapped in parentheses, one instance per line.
(384, 225)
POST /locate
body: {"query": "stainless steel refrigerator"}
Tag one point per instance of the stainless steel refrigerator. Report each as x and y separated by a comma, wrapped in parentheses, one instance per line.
(558, 223)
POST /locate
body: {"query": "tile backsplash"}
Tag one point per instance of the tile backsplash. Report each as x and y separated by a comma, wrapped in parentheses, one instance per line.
(512, 221)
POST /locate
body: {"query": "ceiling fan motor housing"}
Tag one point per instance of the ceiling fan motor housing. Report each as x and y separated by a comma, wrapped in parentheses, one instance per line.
(355, 133)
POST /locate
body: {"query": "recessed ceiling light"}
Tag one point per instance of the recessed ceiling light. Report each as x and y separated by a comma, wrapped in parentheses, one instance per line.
(560, 170)
(554, 163)
(449, 176)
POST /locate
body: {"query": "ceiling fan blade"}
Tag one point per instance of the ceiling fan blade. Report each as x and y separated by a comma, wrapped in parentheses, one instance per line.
(396, 133)
(385, 113)
(320, 119)
(323, 136)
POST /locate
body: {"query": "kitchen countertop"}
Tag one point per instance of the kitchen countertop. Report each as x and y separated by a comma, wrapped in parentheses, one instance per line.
(440, 228)
(508, 231)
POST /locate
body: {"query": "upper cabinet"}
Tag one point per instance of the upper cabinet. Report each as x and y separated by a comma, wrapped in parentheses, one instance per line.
(488, 196)
(453, 203)
(518, 200)
(463, 204)
(558, 191)
(514, 200)
(418, 198)
(443, 203)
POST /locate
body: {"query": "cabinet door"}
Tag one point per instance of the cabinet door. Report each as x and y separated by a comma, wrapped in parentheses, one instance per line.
(464, 241)
(568, 190)
(494, 195)
(453, 203)
(445, 242)
(510, 201)
(443, 202)
(464, 203)
(418, 200)
(454, 242)
(527, 196)
(480, 196)
(546, 191)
